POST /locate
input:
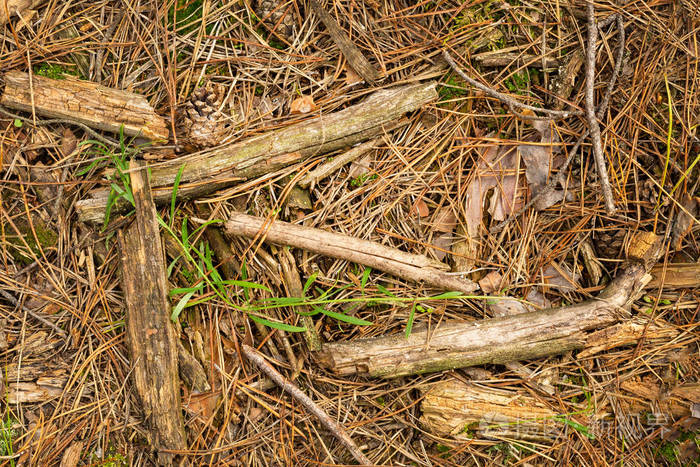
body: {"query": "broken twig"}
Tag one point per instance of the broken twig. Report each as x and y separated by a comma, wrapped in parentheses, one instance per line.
(593, 126)
(416, 268)
(334, 427)
(512, 103)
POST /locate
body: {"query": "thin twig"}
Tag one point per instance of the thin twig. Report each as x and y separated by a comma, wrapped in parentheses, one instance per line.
(334, 427)
(594, 127)
(512, 103)
(62, 121)
(559, 178)
(33, 314)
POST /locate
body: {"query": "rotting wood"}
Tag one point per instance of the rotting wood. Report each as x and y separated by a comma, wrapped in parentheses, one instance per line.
(524, 336)
(464, 411)
(408, 266)
(150, 335)
(675, 276)
(210, 170)
(352, 54)
(84, 102)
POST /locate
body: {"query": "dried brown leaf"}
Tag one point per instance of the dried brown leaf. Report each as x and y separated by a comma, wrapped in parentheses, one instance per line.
(491, 282)
(303, 105)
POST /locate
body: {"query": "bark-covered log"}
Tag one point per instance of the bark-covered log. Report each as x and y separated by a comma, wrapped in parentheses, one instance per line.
(210, 170)
(150, 334)
(416, 268)
(84, 102)
(498, 340)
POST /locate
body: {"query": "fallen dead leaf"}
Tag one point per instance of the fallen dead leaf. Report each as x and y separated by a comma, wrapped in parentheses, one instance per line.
(68, 143)
(303, 105)
(491, 282)
(445, 220)
(557, 276)
(685, 220)
(420, 208)
(505, 306)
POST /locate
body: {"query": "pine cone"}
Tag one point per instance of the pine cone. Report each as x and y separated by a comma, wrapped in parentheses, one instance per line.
(203, 124)
(278, 15)
(609, 241)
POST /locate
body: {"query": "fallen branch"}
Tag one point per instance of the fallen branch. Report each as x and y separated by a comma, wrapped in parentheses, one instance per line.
(506, 99)
(559, 178)
(416, 268)
(334, 427)
(352, 54)
(84, 102)
(150, 334)
(208, 171)
(593, 126)
(498, 340)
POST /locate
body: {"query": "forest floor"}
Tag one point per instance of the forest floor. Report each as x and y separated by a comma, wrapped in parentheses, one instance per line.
(450, 181)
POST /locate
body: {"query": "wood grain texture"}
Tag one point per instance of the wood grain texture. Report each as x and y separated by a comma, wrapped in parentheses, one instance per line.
(208, 171)
(416, 268)
(498, 340)
(352, 54)
(86, 102)
(150, 334)
(452, 408)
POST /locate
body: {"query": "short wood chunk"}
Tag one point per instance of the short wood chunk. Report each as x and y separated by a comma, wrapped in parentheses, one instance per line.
(85, 102)
(208, 171)
(675, 276)
(150, 335)
(416, 268)
(461, 410)
(498, 340)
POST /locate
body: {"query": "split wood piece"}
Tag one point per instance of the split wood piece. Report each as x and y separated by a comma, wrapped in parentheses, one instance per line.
(627, 333)
(292, 281)
(464, 411)
(352, 54)
(84, 102)
(675, 276)
(334, 165)
(416, 268)
(493, 341)
(334, 427)
(208, 171)
(10, 8)
(150, 334)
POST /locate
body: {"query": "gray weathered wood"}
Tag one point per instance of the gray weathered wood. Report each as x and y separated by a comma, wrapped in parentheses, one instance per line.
(217, 168)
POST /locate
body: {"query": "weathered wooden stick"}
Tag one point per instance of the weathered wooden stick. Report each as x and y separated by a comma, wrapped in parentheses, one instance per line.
(335, 428)
(352, 54)
(329, 167)
(214, 169)
(150, 334)
(84, 102)
(462, 410)
(498, 340)
(416, 268)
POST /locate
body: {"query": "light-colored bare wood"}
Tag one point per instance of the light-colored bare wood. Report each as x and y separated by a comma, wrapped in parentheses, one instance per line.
(150, 334)
(461, 410)
(208, 171)
(416, 268)
(84, 102)
(675, 276)
(498, 340)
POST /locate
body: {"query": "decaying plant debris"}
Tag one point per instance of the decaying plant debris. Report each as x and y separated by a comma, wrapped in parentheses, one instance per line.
(415, 233)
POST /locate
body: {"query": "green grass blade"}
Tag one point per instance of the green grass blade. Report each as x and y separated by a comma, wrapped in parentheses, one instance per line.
(276, 325)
